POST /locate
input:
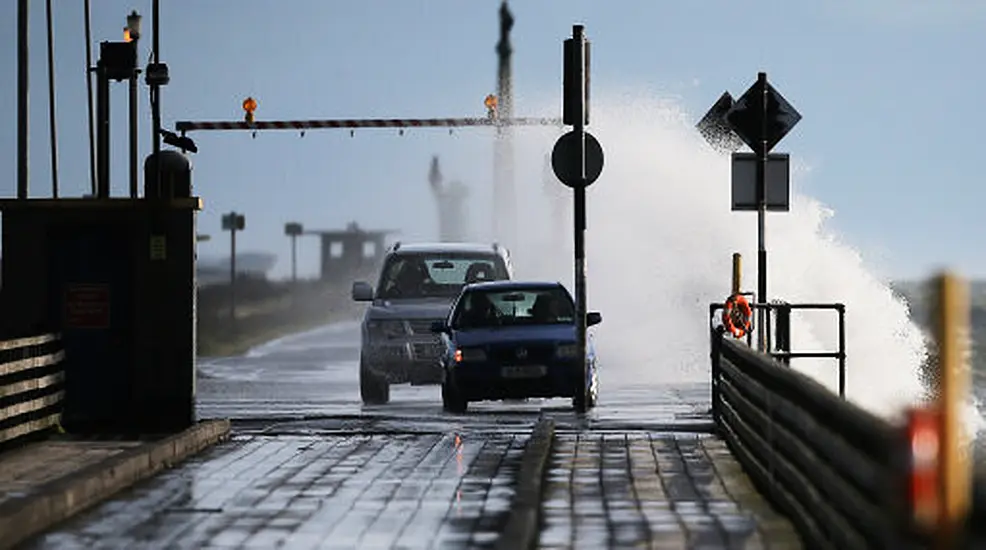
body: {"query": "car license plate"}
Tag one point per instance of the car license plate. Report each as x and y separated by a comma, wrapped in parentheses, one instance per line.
(527, 371)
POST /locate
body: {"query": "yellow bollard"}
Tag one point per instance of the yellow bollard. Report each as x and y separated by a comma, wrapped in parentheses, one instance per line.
(951, 323)
(737, 273)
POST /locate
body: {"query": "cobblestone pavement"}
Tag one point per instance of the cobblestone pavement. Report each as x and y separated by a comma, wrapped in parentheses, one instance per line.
(311, 467)
(372, 491)
(644, 490)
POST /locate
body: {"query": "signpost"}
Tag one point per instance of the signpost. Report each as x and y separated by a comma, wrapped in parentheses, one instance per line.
(233, 222)
(760, 118)
(292, 230)
(577, 160)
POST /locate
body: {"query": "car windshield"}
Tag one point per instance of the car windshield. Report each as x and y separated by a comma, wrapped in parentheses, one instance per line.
(438, 274)
(496, 308)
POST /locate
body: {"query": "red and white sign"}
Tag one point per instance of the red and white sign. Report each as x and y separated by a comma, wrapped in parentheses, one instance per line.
(87, 305)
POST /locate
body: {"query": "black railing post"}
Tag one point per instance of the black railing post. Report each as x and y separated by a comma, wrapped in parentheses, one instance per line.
(842, 349)
(782, 328)
(716, 335)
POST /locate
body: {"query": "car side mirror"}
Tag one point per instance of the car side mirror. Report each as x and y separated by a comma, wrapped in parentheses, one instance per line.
(362, 292)
(593, 318)
(439, 327)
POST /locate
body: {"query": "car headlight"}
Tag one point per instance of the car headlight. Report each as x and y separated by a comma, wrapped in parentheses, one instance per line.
(567, 351)
(386, 329)
(469, 355)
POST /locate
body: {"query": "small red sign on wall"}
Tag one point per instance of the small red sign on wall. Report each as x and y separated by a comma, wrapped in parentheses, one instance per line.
(87, 306)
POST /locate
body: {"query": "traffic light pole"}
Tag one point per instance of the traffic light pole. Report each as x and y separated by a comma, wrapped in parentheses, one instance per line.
(581, 311)
(761, 196)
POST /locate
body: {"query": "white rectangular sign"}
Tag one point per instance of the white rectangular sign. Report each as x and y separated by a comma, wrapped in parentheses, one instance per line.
(777, 182)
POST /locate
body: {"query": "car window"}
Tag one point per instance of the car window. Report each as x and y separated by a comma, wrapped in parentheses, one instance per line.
(442, 274)
(493, 308)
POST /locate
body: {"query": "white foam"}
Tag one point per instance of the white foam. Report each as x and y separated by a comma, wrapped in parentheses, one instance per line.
(659, 245)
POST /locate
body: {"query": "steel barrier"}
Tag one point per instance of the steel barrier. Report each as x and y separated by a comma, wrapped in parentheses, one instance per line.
(31, 386)
(835, 469)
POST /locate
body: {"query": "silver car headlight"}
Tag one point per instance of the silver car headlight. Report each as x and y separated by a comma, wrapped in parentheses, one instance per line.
(386, 329)
(567, 351)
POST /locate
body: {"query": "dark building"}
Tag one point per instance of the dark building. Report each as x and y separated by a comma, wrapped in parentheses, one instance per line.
(352, 253)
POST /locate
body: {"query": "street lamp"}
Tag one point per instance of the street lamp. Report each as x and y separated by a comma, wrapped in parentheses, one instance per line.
(132, 30)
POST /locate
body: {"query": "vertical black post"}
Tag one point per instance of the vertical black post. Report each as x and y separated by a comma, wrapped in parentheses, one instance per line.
(133, 132)
(102, 130)
(294, 259)
(578, 64)
(232, 268)
(842, 350)
(503, 191)
(761, 197)
(52, 121)
(156, 91)
(23, 71)
(89, 106)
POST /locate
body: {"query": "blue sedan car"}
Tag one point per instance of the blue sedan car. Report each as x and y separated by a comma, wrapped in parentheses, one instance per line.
(514, 340)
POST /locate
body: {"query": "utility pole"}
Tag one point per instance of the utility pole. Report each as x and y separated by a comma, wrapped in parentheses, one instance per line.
(52, 121)
(233, 222)
(23, 71)
(503, 169)
(133, 35)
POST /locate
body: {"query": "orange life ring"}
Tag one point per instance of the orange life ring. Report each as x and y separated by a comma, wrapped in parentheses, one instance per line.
(736, 315)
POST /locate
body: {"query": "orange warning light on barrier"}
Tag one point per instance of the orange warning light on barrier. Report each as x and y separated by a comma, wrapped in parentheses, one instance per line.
(491, 104)
(249, 106)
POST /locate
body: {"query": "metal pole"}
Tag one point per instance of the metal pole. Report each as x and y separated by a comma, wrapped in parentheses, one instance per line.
(762, 218)
(232, 268)
(23, 70)
(578, 34)
(156, 95)
(92, 140)
(102, 131)
(294, 258)
(133, 131)
(52, 123)
(503, 202)
(737, 273)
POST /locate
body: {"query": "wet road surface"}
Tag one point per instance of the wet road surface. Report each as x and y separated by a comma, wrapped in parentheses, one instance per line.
(311, 467)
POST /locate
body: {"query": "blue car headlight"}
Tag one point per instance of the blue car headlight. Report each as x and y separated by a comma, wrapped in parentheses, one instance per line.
(386, 328)
(567, 351)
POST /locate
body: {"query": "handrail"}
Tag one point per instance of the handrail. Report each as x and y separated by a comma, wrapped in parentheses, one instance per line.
(834, 468)
(31, 386)
(784, 354)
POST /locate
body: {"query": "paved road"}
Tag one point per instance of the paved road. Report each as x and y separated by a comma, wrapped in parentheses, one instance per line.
(311, 467)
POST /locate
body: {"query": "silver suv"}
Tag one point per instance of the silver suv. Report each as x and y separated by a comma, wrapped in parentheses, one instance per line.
(417, 285)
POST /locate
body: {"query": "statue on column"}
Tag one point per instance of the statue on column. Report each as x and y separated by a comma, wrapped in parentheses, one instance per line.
(451, 201)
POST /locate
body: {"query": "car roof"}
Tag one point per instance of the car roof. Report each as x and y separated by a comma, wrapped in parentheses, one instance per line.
(514, 285)
(474, 248)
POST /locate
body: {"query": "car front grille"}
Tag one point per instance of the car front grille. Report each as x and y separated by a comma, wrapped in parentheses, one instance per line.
(421, 326)
(535, 353)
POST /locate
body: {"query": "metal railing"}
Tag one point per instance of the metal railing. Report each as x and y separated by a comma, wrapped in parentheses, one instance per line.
(779, 332)
(31, 386)
(836, 470)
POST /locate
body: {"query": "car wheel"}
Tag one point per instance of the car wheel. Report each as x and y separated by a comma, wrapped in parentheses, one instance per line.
(372, 389)
(452, 400)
